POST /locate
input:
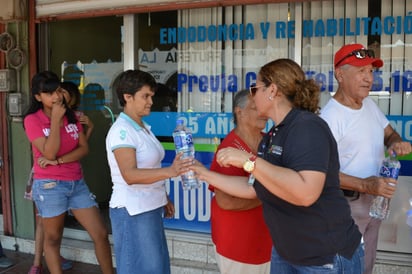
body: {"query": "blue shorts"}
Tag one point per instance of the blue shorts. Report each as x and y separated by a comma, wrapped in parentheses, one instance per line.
(54, 197)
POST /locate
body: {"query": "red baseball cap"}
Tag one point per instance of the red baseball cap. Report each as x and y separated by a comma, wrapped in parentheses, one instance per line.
(347, 55)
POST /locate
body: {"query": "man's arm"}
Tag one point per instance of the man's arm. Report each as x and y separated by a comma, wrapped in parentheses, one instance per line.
(394, 142)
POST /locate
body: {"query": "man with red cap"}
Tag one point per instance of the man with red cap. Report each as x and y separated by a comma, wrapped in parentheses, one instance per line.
(361, 131)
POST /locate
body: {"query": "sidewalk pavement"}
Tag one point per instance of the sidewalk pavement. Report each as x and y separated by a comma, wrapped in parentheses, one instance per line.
(23, 262)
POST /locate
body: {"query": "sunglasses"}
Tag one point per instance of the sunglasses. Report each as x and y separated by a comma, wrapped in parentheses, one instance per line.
(253, 88)
(359, 54)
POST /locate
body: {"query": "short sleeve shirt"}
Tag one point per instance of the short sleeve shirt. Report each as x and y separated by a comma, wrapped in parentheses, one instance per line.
(359, 133)
(136, 198)
(37, 125)
(310, 235)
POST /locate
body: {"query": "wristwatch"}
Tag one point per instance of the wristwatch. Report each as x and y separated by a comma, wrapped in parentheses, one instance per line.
(249, 165)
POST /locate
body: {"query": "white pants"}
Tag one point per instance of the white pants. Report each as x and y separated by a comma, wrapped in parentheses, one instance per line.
(368, 226)
(229, 266)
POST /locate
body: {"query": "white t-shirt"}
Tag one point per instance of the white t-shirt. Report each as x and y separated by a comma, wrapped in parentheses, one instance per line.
(359, 135)
(136, 198)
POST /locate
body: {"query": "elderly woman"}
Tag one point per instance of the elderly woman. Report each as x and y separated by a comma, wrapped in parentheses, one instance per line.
(239, 232)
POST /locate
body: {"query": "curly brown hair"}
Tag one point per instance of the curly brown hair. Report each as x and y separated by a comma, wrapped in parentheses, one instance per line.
(290, 79)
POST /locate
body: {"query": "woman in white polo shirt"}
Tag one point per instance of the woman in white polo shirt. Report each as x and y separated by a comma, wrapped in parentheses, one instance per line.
(139, 198)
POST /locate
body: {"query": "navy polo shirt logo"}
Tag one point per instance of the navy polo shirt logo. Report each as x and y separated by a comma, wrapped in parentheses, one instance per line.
(276, 150)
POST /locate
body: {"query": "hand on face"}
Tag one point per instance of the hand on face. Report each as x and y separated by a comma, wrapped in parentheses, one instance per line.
(58, 108)
(84, 120)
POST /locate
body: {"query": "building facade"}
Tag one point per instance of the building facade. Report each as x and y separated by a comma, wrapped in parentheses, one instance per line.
(201, 52)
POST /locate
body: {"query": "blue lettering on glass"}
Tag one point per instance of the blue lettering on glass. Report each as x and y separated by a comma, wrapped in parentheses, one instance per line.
(377, 84)
(388, 25)
(145, 58)
(191, 35)
(264, 28)
(163, 35)
(348, 27)
(331, 27)
(406, 83)
(211, 33)
(319, 29)
(201, 33)
(397, 82)
(250, 32)
(366, 21)
(291, 29)
(233, 32)
(307, 28)
(408, 24)
(321, 79)
(207, 83)
(203, 83)
(280, 29)
(341, 29)
(250, 78)
(328, 27)
(357, 25)
(376, 26)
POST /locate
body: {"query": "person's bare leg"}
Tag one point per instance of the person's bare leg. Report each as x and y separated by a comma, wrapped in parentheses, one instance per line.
(92, 221)
(53, 232)
(38, 244)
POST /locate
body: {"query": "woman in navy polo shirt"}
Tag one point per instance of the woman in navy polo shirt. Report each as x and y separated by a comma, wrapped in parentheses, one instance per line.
(296, 178)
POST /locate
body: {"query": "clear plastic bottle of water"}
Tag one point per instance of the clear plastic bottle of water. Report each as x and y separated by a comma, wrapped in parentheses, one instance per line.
(183, 140)
(380, 205)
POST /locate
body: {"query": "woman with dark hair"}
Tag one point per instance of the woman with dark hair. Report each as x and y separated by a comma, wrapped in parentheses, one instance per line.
(296, 174)
(58, 143)
(139, 199)
(72, 96)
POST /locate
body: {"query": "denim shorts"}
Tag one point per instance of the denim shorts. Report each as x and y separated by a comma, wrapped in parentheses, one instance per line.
(54, 197)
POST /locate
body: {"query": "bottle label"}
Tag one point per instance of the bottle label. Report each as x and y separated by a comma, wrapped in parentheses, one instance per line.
(183, 140)
(389, 172)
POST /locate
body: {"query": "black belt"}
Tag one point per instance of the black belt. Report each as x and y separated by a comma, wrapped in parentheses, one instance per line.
(351, 194)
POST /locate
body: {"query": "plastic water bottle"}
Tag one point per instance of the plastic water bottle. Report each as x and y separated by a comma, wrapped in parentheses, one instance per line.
(183, 140)
(380, 205)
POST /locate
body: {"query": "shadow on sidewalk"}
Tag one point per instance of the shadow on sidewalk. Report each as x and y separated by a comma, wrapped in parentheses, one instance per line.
(23, 262)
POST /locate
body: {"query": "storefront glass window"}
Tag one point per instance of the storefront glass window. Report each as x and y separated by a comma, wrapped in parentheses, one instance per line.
(201, 57)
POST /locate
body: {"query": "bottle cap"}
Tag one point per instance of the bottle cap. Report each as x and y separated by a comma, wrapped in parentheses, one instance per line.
(179, 122)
